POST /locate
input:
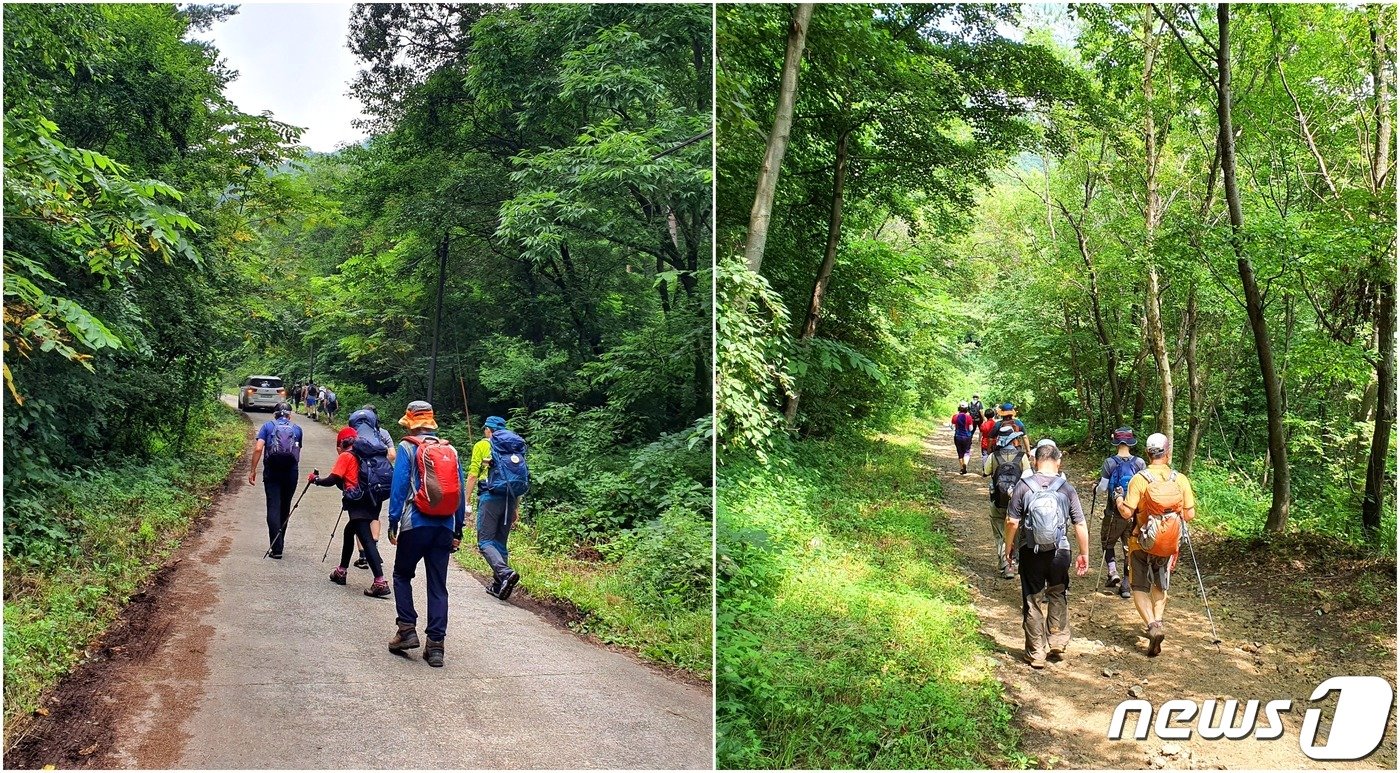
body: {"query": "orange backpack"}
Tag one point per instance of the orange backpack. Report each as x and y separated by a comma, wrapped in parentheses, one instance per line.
(1159, 515)
(439, 487)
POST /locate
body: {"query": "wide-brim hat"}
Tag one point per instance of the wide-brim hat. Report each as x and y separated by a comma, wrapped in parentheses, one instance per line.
(419, 415)
(1123, 436)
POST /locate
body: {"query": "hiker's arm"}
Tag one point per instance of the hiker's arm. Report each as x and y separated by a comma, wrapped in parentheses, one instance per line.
(1102, 488)
(257, 455)
(1010, 535)
(1081, 532)
(328, 480)
(459, 518)
(398, 496)
(1188, 514)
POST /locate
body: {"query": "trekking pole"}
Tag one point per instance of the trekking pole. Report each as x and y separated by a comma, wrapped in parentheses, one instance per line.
(1215, 637)
(332, 539)
(283, 530)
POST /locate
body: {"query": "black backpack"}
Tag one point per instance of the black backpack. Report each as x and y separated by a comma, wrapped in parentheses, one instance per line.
(1005, 475)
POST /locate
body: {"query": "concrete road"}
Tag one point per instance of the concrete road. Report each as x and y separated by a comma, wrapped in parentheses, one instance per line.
(276, 667)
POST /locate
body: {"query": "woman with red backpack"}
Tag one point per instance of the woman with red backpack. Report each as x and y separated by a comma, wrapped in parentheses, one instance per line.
(361, 510)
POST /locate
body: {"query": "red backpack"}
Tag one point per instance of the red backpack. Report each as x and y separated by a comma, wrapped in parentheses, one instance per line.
(438, 491)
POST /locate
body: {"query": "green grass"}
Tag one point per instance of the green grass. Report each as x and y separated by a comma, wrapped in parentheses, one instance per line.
(846, 637)
(672, 636)
(87, 544)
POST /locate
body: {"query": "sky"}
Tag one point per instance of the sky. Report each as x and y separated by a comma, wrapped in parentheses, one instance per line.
(292, 59)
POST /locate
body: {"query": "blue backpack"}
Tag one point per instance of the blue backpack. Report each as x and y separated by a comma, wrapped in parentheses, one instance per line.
(376, 474)
(283, 445)
(1123, 471)
(509, 474)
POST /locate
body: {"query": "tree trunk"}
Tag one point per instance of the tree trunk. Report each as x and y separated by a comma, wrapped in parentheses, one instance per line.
(1382, 57)
(762, 210)
(1081, 387)
(1152, 218)
(1115, 389)
(1373, 505)
(1196, 426)
(1277, 520)
(833, 238)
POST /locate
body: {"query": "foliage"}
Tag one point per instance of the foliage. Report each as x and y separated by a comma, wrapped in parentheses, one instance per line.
(845, 635)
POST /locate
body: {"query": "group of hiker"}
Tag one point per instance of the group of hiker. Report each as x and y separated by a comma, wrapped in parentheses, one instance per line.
(1034, 507)
(320, 401)
(429, 493)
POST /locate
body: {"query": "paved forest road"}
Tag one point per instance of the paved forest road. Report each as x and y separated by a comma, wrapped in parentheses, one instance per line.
(267, 664)
(1064, 710)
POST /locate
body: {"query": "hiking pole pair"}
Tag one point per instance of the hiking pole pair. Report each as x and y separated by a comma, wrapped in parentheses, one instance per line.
(1214, 637)
(286, 520)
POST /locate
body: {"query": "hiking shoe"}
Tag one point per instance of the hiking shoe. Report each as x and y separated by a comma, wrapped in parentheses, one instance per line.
(1155, 635)
(1036, 661)
(1057, 652)
(494, 588)
(1007, 574)
(433, 653)
(405, 639)
(508, 585)
(1125, 591)
(361, 563)
(379, 590)
(277, 556)
(1112, 581)
(338, 576)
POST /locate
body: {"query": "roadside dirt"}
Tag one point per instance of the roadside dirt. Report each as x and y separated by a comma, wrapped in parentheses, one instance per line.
(1288, 618)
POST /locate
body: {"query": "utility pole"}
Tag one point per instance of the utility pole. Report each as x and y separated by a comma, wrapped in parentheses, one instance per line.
(437, 320)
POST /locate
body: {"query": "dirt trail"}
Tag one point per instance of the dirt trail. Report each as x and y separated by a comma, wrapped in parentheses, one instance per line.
(1064, 710)
(230, 660)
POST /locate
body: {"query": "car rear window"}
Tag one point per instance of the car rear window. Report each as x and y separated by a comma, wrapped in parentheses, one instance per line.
(274, 383)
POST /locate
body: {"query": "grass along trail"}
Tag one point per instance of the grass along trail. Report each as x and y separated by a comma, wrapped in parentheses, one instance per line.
(1269, 650)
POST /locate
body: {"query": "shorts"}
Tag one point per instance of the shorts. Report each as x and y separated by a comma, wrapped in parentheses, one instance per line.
(963, 445)
(1146, 571)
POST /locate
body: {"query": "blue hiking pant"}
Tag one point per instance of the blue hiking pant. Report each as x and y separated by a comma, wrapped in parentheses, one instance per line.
(493, 517)
(433, 546)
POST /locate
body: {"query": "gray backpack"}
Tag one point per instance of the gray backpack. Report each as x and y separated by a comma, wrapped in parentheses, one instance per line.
(1046, 511)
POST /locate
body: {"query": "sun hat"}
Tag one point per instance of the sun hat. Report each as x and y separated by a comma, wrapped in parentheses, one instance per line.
(1123, 436)
(418, 415)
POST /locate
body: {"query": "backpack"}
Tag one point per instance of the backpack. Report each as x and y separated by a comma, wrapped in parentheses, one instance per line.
(963, 425)
(975, 408)
(1005, 475)
(509, 474)
(438, 491)
(1123, 471)
(372, 453)
(283, 445)
(1043, 521)
(1159, 515)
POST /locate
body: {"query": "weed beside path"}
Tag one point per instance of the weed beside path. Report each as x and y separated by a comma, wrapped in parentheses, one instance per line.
(845, 634)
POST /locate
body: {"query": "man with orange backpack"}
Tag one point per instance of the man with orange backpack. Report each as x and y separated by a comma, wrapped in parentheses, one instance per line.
(1159, 500)
(427, 510)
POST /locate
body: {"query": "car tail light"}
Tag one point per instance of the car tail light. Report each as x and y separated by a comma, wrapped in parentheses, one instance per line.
(282, 392)
(250, 390)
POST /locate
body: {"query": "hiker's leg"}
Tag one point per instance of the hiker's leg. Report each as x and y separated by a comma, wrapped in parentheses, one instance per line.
(347, 544)
(272, 490)
(491, 510)
(362, 531)
(405, 564)
(1159, 603)
(437, 551)
(998, 521)
(1140, 581)
(1057, 601)
(1032, 599)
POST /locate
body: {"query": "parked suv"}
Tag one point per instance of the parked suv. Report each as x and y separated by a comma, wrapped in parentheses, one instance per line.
(263, 392)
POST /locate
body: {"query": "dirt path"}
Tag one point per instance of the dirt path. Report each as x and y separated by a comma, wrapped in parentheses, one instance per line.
(231, 660)
(1065, 709)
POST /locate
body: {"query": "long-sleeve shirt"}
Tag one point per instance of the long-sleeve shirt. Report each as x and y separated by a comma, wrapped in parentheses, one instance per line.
(401, 495)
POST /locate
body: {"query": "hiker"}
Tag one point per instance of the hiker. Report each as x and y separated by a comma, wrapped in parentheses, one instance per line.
(1037, 529)
(1006, 464)
(1113, 477)
(1158, 499)
(499, 477)
(331, 405)
(362, 562)
(361, 509)
(321, 401)
(988, 430)
(294, 396)
(279, 447)
(427, 509)
(975, 407)
(963, 426)
(311, 395)
(1008, 418)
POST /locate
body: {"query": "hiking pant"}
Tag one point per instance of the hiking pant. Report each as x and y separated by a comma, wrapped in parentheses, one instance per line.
(1113, 531)
(999, 529)
(964, 446)
(1044, 601)
(432, 545)
(279, 486)
(494, 513)
(359, 527)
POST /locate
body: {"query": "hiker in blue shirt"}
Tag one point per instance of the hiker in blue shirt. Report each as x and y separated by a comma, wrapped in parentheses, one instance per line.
(280, 439)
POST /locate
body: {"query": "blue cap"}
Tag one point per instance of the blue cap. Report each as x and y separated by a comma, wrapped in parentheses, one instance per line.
(1008, 406)
(495, 422)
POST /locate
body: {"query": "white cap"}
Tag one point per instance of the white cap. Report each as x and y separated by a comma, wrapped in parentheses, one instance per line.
(1156, 442)
(1046, 442)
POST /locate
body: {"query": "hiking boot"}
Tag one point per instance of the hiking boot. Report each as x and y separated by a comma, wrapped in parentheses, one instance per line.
(1007, 574)
(1112, 581)
(494, 588)
(1155, 635)
(379, 590)
(338, 576)
(1125, 591)
(361, 563)
(1036, 661)
(508, 585)
(277, 556)
(433, 653)
(1057, 652)
(405, 639)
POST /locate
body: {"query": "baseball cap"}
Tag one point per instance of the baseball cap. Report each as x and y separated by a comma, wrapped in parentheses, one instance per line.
(1156, 442)
(962, 406)
(1008, 406)
(1045, 441)
(1123, 436)
(345, 434)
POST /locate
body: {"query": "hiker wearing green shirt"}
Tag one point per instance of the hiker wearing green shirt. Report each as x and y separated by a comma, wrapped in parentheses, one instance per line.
(497, 475)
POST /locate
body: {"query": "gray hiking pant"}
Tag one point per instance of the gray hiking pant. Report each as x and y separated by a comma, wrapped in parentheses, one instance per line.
(998, 519)
(494, 514)
(1045, 601)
